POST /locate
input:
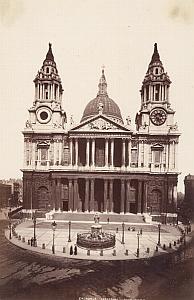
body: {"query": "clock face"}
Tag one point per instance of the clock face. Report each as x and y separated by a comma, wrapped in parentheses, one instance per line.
(44, 115)
(158, 116)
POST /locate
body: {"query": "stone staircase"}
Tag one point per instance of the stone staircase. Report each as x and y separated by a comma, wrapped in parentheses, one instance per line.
(89, 217)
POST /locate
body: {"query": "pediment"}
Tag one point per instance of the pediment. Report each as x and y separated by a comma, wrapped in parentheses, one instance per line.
(157, 147)
(100, 123)
(43, 145)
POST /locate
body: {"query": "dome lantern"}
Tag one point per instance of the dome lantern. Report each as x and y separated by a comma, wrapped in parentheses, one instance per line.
(102, 104)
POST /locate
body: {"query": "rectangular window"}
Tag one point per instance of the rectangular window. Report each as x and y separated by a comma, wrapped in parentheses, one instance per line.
(43, 154)
(133, 155)
(157, 156)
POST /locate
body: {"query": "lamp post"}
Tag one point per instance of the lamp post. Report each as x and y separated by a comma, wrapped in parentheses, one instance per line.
(177, 217)
(138, 235)
(9, 214)
(123, 232)
(34, 222)
(69, 239)
(151, 210)
(159, 227)
(54, 225)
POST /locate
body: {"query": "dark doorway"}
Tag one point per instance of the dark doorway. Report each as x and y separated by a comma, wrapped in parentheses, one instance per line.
(100, 158)
(99, 195)
(81, 186)
(118, 153)
(65, 205)
(133, 196)
(82, 152)
(117, 196)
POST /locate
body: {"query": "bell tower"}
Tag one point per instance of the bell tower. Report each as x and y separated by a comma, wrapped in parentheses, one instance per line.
(46, 112)
(156, 114)
(48, 87)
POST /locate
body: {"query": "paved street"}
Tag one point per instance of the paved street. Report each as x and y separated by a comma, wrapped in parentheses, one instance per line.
(148, 239)
(29, 276)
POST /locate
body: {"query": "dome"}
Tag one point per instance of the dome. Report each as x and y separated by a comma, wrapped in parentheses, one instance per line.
(109, 108)
(102, 104)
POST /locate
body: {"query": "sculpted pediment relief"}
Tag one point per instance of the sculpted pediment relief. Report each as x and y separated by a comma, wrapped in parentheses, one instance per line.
(100, 124)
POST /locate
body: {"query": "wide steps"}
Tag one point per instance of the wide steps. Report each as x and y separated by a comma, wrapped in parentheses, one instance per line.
(66, 216)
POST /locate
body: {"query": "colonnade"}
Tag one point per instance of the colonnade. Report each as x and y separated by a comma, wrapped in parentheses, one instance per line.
(109, 152)
(150, 95)
(117, 195)
(144, 154)
(44, 91)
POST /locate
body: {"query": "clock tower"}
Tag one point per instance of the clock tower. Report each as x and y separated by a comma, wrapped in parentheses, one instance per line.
(156, 114)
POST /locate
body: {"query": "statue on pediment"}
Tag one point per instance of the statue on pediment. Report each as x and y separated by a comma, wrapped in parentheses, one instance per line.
(28, 124)
(174, 127)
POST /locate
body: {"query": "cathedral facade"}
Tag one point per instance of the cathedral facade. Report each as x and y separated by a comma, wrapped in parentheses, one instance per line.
(101, 164)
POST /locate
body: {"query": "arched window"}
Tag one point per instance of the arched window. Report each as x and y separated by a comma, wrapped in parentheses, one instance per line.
(47, 70)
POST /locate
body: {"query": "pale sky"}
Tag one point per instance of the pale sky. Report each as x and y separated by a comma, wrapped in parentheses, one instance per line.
(86, 34)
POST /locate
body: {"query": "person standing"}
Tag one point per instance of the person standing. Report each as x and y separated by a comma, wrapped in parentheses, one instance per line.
(71, 250)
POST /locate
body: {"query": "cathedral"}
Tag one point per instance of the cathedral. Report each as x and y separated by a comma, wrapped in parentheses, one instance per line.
(101, 164)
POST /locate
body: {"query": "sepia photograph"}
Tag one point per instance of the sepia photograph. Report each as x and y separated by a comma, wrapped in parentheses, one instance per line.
(96, 150)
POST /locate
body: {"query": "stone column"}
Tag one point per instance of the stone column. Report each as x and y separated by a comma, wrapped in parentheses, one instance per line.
(173, 154)
(128, 197)
(129, 153)
(75, 194)
(25, 153)
(58, 194)
(112, 153)
(87, 152)
(106, 152)
(175, 197)
(160, 95)
(76, 152)
(170, 155)
(139, 196)
(144, 95)
(146, 155)
(40, 91)
(123, 153)
(154, 92)
(93, 152)
(48, 158)
(92, 195)
(54, 194)
(33, 153)
(122, 196)
(111, 204)
(145, 193)
(139, 154)
(39, 158)
(51, 91)
(60, 151)
(105, 195)
(70, 195)
(176, 156)
(54, 152)
(86, 194)
(167, 94)
(71, 151)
